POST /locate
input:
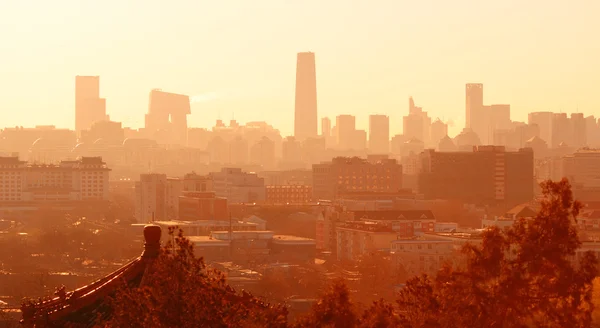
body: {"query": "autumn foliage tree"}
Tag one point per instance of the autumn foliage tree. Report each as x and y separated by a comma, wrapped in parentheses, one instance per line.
(180, 291)
(528, 275)
(524, 276)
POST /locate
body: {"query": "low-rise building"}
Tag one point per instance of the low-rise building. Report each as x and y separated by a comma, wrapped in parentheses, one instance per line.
(445, 226)
(420, 256)
(205, 227)
(195, 206)
(238, 186)
(357, 238)
(407, 223)
(285, 248)
(288, 194)
(84, 179)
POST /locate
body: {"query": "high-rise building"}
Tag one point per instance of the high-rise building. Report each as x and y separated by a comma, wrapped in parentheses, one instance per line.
(579, 130)
(151, 198)
(544, 122)
(495, 176)
(345, 128)
(562, 130)
(417, 124)
(439, 130)
(85, 179)
(379, 134)
(305, 119)
(326, 127)
(166, 121)
(474, 103)
(344, 176)
(500, 117)
(89, 107)
(478, 116)
(238, 186)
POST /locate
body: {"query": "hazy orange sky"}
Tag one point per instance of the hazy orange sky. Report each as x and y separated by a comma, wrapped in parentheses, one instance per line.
(371, 56)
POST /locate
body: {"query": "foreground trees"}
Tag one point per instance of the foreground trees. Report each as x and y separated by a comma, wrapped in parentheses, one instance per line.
(182, 292)
(521, 277)
(525, 276)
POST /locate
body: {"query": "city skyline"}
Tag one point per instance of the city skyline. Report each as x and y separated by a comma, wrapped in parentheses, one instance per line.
(373, 66)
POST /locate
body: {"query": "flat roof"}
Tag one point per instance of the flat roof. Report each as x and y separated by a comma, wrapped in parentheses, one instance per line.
(420, 241)
(287, 239)
(204, 223)
(208, 241)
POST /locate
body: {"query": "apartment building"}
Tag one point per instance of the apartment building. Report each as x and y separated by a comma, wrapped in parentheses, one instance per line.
(84, 179)
(343, 175)
(488, 175)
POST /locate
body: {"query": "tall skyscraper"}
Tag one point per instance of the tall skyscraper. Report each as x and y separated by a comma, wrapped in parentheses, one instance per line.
(417, 124)
(345, 128)
(166, 120)
(305, 119)
(478, 116)
(326, 127)
(474, 103)
(544, 121)
(89, 107)
(379, 134)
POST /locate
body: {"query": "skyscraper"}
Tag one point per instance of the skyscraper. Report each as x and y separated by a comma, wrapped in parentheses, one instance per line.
(474, 103)
(379, 134)
(478, 116)
(166, 121)
(345, 128)
(305, 120)
(89, 107)
(326, 127)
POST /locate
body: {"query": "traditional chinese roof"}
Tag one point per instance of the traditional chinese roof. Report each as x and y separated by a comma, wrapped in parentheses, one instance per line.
(83, 306)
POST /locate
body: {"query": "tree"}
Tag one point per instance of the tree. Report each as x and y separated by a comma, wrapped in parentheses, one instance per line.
(181, 291)
(378, 277)
(521, 277)
(334, 309)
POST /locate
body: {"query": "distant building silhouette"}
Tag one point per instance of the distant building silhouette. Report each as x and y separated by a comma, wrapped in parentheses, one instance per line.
(305, 119)
(166, 121)
(379, 134)
(544, 121)
(474, 104)
(417, 123)
(89, 107)
(345, 129)
(439, 130)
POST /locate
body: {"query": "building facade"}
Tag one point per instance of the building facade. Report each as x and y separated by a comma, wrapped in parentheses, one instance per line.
(343, 175)
(85, 179)
(238, 186)
(379, 134)
(288, 194)
(197, 206)
(487, 175)
(305, 120)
